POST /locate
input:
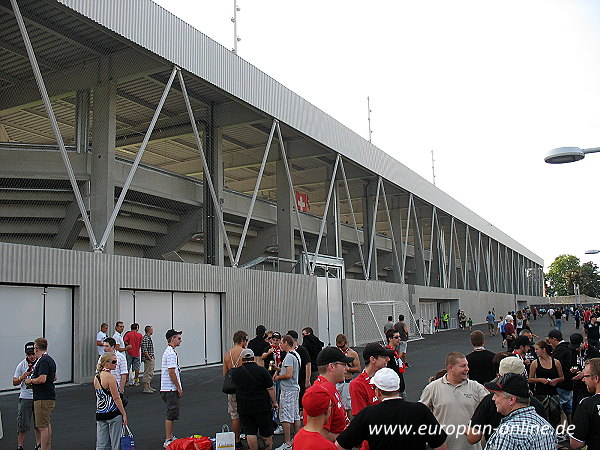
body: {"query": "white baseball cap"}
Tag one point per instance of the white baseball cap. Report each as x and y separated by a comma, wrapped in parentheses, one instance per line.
(386, 380)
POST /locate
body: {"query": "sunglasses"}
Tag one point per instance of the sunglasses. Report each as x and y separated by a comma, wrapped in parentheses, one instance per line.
(114, 361)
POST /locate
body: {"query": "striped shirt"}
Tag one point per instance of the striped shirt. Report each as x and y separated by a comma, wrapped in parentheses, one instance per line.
(147, 346)
(523, 429)
(169, 361)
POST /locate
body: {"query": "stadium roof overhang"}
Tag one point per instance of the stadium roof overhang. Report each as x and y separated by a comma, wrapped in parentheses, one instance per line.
(136, 43)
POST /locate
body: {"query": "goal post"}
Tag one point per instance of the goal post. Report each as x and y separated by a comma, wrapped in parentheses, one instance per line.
(369, 318)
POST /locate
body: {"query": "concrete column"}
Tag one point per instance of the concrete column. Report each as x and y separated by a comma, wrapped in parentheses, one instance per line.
(368, 206)
(285, 219)
(333, 241)
(102, 182)
(213, 237)
(396, 219)
(82, 120)
(416, 264)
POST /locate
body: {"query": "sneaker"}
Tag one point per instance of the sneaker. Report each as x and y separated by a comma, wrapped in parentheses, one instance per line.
(147, 391)
(168, 441)
(152, 389)
(278, 430)
(284, 446)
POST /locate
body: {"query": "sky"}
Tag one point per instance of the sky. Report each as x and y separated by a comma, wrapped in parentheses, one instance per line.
(489, 86)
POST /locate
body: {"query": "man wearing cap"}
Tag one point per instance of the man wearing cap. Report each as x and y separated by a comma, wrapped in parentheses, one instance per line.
(486, 417)
(453, 398)
(25, 405)
(521, 428)
(393, 423)
(44, 394)
(170, 383)
(580, 353)
(332, 365)
(362, 392)
(255, 399)
(317, 405)
(562, 352)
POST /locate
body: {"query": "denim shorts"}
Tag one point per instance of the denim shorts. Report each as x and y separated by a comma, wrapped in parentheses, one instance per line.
(566, 400)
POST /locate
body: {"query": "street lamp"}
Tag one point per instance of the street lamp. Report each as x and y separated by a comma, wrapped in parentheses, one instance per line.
(592, 252)
(568, 154)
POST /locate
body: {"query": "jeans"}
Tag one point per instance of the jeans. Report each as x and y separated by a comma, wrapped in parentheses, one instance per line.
(566, 400)
(559, 324)
(108, 433)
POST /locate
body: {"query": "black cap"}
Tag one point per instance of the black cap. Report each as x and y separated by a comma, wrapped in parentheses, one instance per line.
(521, 341)
(375, 349)
(276, 335)
(29, 348)
(555, 334)
(332, 355)
(576, 339)
(169, 334)
(511, 383)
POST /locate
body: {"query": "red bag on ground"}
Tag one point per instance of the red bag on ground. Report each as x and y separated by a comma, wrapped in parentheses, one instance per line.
(191, 443)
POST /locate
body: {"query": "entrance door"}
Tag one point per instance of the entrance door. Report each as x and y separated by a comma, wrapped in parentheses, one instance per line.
(329, 312)
(428, 312)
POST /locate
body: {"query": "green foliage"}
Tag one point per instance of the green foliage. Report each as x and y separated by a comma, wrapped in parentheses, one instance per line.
(566, 271)
(556, 280)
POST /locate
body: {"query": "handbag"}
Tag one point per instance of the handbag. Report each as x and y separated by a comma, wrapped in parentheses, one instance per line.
(225, 439)
(228, 384)
(127, 442)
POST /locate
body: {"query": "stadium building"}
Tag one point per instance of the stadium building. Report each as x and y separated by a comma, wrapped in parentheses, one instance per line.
(148, 174)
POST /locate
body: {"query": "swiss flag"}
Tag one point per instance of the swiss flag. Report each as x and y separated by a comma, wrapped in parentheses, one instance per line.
(302, 202)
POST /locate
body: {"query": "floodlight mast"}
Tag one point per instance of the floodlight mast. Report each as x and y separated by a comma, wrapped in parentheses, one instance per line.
(563, 155)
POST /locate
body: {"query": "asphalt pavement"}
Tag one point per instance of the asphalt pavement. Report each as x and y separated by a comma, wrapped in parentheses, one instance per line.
(204, 407)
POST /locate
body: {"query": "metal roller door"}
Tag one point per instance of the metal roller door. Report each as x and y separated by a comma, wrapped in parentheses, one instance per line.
(197, 314)
(29, 312)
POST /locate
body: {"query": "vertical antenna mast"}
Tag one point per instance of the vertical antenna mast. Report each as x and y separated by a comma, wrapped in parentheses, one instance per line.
(369, 117)
(433, 167)
(236, 39)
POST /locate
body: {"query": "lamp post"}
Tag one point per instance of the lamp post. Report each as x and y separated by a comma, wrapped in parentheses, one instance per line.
(563, 155)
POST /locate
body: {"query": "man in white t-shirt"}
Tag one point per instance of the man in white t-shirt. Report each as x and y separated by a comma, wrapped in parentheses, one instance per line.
(170, 383)
(120, 371)
(100, 338)
(25, 405)
(118, 337)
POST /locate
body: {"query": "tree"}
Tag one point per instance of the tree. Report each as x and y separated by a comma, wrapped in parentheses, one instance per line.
(559, 277)
(589, 279)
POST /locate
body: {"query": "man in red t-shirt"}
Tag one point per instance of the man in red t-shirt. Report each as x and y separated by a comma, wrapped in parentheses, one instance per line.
(317, 406)
(362, 392)
(332, 364)
(133, 342)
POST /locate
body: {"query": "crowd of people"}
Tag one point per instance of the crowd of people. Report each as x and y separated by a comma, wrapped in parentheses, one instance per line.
(535, 394)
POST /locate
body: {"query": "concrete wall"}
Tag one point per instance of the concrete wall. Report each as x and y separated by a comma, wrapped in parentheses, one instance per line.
(249, 297)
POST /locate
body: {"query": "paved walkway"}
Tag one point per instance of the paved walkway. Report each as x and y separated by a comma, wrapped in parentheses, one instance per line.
(204, 408)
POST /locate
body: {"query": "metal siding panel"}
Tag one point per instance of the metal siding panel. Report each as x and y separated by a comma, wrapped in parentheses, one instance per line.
(250, 297)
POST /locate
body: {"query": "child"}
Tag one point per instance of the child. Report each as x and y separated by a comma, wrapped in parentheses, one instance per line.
(470, 323)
